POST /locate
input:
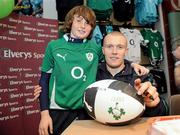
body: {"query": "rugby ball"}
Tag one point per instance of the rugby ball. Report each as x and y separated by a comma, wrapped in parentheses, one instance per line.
(113, 102)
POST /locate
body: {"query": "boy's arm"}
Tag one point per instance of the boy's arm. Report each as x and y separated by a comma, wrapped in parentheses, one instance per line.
(140, 70)
(44, 96)
(46, 121)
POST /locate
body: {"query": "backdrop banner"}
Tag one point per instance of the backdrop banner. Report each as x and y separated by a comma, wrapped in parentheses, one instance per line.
(23, 40)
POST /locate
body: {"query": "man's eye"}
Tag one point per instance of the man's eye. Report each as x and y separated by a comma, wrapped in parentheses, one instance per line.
(119, 47)
(109, 46)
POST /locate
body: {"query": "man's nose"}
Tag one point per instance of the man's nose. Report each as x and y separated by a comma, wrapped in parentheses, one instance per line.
(114, 49)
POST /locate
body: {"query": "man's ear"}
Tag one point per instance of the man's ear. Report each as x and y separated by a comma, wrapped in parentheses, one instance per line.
(127, 49)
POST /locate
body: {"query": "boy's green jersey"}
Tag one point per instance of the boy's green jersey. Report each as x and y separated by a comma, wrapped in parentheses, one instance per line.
(73, 66)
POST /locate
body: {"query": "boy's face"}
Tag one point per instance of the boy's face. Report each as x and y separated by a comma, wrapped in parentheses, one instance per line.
(115, 49)
(80, 28)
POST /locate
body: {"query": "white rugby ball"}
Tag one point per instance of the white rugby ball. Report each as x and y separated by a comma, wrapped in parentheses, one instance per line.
(113, 102)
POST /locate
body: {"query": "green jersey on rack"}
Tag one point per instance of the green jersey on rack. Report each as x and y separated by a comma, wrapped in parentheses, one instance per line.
(73, 66)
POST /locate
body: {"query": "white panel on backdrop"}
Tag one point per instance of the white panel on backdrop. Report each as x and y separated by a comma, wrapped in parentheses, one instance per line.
(49, 9)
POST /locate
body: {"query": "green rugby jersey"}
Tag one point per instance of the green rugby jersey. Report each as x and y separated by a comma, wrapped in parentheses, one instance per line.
(154, 46)
(73, 66)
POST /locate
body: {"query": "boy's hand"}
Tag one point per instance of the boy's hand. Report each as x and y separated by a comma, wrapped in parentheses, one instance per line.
(46, 124)
(37, 91)
(140, 70)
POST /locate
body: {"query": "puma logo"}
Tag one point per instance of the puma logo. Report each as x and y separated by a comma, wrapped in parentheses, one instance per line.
(61, 56)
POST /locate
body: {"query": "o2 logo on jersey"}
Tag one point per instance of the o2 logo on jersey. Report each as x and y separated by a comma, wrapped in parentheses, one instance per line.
(89, 56)
(78, 73)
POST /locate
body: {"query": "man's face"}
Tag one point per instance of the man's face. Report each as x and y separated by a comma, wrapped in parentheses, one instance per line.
(80, 28)
(115, 49)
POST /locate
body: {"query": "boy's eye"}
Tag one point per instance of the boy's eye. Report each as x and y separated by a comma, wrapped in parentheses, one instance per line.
(87, 22)
(80, 19)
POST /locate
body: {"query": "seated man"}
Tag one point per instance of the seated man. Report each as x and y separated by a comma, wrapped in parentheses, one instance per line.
(116, 67)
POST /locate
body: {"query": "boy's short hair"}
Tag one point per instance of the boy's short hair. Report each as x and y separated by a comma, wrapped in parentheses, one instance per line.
(84, 11)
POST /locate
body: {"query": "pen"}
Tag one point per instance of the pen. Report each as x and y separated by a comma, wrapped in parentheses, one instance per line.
(147, 94)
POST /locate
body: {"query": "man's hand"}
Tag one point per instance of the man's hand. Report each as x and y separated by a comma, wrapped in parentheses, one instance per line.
(148, 92)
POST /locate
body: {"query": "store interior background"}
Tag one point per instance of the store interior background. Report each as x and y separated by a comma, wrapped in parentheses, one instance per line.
(163, 26)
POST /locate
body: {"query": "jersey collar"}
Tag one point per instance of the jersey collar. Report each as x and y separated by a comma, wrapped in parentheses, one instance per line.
(73, 40)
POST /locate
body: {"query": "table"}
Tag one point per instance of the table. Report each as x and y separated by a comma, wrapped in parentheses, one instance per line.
(92, 127)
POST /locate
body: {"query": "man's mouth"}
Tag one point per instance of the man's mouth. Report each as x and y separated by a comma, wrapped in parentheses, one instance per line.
(114, 58)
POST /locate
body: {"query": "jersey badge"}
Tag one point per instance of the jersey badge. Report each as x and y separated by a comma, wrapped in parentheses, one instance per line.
(89, 56)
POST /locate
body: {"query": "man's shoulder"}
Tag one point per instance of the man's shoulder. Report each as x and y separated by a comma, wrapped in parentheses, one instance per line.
(127, 64)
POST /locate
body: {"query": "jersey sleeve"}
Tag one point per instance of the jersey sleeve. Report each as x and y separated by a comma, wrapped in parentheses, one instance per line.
(44, 83)
(48, 62)
(161, 109)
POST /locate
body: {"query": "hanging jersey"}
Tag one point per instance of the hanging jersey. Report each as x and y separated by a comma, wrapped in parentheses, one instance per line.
(64, 6)
(109, 29)
(134, 38)
(102, 8)
(123, 10)
(155, 47)
(146, 11)
(105, 29)
(73, 67)
(27, 7)
(97, 35)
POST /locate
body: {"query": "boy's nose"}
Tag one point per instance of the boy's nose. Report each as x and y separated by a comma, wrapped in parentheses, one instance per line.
(83, 24)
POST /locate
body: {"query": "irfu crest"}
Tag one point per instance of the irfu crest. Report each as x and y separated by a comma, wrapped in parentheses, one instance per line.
(89, 56)
(116, 112)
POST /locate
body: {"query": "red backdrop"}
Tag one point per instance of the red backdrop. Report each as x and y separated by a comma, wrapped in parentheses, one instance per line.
(23, 40)
(172, 5)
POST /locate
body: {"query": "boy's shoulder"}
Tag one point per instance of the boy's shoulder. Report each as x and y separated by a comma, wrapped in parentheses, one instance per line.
(56, 42)
(93, 43)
